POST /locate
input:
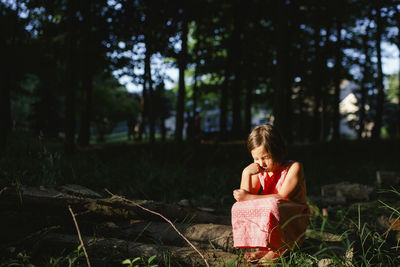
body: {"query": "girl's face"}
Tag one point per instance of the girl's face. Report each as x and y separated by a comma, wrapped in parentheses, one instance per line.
(262, 158)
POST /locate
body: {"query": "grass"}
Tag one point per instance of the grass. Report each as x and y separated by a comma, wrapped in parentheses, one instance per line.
(207, 173)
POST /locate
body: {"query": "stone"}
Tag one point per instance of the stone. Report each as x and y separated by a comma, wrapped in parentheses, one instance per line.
(323, 236)
(325, 262)
(349, 191)
(79, 190)
(327, 200)
(184, 203)
(387, 179)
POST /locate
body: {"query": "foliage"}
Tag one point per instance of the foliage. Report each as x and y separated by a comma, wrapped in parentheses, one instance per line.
(23, 259)
(393, 88)
(139, 261)
(114, 105)
(234, 50)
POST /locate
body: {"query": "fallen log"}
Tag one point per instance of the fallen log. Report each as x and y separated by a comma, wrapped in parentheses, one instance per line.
(52, 201)
(113, 251)
(206, 235)
(34, 210)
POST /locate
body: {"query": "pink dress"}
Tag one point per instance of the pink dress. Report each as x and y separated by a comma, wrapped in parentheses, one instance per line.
(271, 222)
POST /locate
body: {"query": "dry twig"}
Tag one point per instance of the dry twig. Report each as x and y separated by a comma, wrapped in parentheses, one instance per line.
(79, 235)
(163, 217)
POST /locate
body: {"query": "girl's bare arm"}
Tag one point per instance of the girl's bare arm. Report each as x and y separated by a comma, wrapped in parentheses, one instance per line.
(294, 175)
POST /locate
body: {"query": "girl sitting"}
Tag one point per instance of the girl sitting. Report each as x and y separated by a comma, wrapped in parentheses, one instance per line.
(275, 219)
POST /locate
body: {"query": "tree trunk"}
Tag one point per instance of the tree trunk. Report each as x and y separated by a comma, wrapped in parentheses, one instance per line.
(5, 102)
(363, 92)
(84, 131)
(397, 10)
(7, 81)
(338, 69)
(148, 83)
(302, 116)
(180, 109)
(317, 84)
(326, 116)
(195, 90)
(239, 15)
(120, 228)
(248, 103)
(41, 201)
(223, 106)
(163, 130)
(282, 94)
(376, 131)
(112, 251)
(87, 83)
(142, 115)
(398, 89)
(70, 80)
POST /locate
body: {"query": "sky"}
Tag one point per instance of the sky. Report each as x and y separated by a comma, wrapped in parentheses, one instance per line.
(390, 65)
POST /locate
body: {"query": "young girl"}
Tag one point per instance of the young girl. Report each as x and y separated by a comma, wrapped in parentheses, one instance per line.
(275, 220)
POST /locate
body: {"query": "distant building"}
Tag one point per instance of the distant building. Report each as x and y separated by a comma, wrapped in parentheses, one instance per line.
(348, 108)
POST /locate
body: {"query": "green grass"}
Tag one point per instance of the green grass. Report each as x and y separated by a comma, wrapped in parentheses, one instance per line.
(170, 171)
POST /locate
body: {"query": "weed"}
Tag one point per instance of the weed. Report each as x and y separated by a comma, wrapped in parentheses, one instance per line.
(139, 261)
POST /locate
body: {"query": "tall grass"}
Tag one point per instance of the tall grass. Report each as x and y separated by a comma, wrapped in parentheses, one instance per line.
(170, 171)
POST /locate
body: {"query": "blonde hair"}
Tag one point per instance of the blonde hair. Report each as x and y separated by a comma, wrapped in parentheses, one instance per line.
(269, 137)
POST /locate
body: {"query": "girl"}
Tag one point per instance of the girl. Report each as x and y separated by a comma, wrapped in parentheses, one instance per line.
(275, 220)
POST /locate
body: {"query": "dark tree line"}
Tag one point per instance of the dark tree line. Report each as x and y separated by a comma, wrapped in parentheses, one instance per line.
(289, 57)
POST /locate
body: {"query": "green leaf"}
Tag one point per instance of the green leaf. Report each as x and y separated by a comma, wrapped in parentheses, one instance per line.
(151, 259)
(135, 259)
(127, 261)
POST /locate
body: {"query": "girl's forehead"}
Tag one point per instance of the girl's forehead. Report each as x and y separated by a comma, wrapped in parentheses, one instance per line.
(260, 150)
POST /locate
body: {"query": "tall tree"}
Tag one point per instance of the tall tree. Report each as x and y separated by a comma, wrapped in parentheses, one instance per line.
(148, 87)
(239, 19)
(70, 85)
(367, 80)
(376, 131)
(12, 28)
(87, 79)
(182, 63)
(283, 89)
(337, 80)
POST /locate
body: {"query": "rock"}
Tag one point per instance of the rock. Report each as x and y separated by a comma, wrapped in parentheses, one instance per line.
(351, 192)
(184, 203)
(323, 236)
(206, 209)
(383, 222)
(325, 262)
(79, 190)
(387, 179)
(330, 262)
(327, 200)
(41, 191)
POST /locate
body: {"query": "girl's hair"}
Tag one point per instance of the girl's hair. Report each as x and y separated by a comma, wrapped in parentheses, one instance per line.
(269, 137)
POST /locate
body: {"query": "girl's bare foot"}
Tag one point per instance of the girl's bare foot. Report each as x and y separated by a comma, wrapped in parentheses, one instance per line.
(270, 257)
(257, 255)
